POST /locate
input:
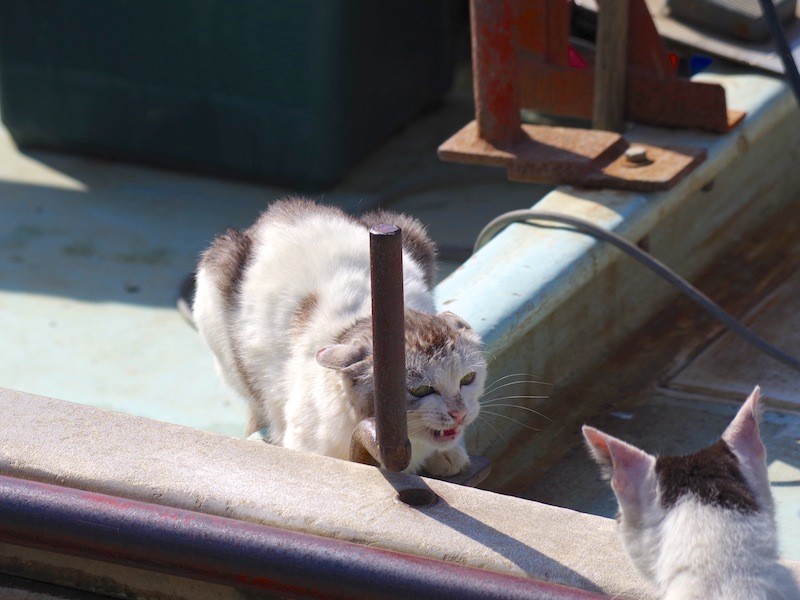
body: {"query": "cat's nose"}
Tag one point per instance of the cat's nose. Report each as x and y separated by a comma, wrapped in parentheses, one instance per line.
(458, 415)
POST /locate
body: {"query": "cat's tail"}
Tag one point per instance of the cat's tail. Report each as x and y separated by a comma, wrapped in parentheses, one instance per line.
(186, 298)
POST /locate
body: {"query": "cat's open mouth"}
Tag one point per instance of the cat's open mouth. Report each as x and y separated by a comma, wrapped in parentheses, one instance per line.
(446, 435)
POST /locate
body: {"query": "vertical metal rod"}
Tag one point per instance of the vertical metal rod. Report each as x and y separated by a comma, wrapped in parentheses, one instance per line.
(388, 345)
(495, 79)
(611, 65)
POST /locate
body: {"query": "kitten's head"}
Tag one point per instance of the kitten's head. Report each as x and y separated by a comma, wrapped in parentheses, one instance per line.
(445, 374)
(730, 475)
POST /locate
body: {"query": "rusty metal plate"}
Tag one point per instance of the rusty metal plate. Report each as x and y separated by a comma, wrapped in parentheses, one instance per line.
(584, 157)
(665, 167)
(545, 154)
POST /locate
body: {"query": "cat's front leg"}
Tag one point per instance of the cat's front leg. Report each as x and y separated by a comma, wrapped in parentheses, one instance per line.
(446, 463)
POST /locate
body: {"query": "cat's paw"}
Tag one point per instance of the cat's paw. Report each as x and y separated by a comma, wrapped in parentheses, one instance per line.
(446, 463)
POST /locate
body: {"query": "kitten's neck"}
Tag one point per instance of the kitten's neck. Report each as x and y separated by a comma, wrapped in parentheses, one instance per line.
(708, 552)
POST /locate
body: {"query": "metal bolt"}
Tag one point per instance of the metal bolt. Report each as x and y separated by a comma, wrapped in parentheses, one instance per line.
(637, 155)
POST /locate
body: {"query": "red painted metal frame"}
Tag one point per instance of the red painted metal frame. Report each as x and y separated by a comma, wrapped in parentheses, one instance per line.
(521, 50)
(520, 57)
(239, 554)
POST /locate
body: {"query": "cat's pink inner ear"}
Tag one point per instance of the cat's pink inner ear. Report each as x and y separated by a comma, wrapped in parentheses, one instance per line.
(628, 466)
(631, 471)
(742, 434)
(323, 356)
(598, 445)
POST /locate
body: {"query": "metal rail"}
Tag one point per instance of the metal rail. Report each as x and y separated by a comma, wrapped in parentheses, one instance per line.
(239, 554)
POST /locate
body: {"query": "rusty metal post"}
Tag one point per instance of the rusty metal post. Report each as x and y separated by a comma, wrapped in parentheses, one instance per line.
(388, 346)
(495, 78)
(610, 66)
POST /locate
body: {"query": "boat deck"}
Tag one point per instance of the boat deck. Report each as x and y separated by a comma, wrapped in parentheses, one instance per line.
(92, 254)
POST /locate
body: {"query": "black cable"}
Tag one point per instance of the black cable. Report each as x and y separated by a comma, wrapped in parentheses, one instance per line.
(517, 216)
(782, 46)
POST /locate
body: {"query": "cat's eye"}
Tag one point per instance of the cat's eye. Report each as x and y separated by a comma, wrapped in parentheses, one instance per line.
(422, 390)
(468, 378)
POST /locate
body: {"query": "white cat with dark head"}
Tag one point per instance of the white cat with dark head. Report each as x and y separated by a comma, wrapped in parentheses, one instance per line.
(285, 308)
(700, 526)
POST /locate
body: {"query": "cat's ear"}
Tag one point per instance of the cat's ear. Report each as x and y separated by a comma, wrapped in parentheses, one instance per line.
(742, 434)
(453, 320)
(597, 443)
(342, 357)
(630, 468)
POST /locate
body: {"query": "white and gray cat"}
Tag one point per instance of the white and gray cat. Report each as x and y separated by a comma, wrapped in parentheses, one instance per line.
(700, 526)
(285, 308)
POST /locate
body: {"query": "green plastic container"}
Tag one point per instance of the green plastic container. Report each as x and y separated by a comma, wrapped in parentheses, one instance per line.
(287, 91)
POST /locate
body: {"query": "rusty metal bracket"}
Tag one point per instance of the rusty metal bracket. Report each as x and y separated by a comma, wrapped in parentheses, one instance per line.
(585, 157)
(521, 59)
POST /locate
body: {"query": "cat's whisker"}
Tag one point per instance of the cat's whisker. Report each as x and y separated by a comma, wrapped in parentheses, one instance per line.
(488, 401)
(520, 382)
(536, 412)
(486, 412)
(417, 423)
(504, 377)
(495, 430)
(527, 375)
(494, 356)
